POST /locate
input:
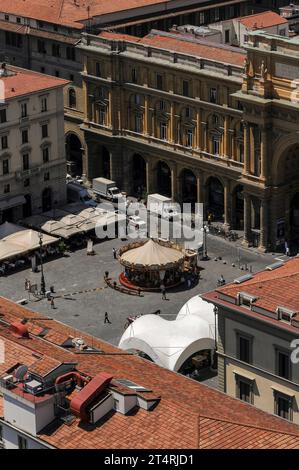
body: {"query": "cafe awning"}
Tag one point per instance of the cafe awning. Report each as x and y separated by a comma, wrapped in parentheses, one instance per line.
(12, 202)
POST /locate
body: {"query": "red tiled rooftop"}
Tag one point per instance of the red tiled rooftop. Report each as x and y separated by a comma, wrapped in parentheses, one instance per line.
(278, 288)
(24, 82)
(262, 20)
(70, 12)
(189, 414)
(205, 50)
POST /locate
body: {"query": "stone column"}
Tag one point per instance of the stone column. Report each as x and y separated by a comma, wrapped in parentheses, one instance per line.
(227, 203)
(174, 185)
(172, 120)
(246, 148)
(247, 219)
(199, 184)
(198, 129)
(226, 137)
(150, 178)
(146, 116)
(205, 137)
(264, 172)
(263, 245)
(110, 108)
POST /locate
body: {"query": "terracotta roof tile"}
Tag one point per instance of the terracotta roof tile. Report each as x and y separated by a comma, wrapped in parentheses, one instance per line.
(24, 82)
(262, 20)
(189, 414)
(220, 53)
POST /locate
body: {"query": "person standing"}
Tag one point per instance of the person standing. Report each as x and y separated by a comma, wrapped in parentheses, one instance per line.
(114, 253)
(52, 302)
(163, 290)
(106, 318)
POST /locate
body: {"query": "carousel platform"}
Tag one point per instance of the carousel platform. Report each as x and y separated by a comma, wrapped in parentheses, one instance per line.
(129, 285)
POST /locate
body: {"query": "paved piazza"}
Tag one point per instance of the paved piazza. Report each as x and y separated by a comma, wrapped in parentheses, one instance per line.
(85, 311)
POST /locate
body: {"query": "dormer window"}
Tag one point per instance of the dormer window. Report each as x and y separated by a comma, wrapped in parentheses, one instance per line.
(285, 314)
(245, 299)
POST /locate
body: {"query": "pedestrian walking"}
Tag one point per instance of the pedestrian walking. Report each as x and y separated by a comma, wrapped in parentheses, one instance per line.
(52, 302)
(163, 293)
(114, 253)
(287, 248)
(26, 284)
(106, 318)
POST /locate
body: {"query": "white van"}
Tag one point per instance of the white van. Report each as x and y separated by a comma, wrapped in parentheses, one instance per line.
(163, 206)
(77, 193)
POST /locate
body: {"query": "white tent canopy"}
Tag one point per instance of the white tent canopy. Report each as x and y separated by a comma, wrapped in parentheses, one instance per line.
(16, 240)
(72, 219)
(170, 343)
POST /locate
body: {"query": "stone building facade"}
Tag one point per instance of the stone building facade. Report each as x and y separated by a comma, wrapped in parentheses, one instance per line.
(199, 123)
(32, 151)
(257, 344)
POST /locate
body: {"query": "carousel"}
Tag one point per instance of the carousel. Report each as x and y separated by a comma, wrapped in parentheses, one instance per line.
(151, 264)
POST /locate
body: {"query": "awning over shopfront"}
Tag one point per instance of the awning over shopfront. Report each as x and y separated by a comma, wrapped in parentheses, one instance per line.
(17, 241)
(72, 219)
(11, 202)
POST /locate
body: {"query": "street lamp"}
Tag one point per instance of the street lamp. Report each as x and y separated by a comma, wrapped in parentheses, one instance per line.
(205, 230)
(42, 282)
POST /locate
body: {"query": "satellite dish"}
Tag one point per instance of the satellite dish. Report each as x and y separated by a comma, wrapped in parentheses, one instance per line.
(20, 372)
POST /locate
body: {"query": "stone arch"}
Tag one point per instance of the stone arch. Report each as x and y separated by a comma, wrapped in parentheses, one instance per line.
(139, 174)
(282, 148)
(188, 186)
(214, 189)
(72, 99)
(163, 173)
(237, 221)
(74, 154)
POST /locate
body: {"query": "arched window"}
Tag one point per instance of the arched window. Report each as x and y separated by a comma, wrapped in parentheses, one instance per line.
(72, 98)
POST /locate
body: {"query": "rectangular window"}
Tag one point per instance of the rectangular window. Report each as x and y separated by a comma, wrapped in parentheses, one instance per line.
(25, 136)
(102, 116)
(42, 69)
(56, 50)
(18, 19)
(44, 105)
(46, 154)
(185, 88)
(71, 77)
(22, 442)
(244, 391)
(283, 405)
(163, 131)
(23, 110)
(5, 165)
(227, 36)
(246, 37)
(4, 142)
(189, 138)
(41, 47)
(6, 188)
(244, 347)
(25, 161)
(138, 100)
(57, 73)
(216, 146)
(13, 39)
(71, 53)
(134, 75)
(282, 32)
(3, 116)
(6, 18)
(98, 69)
(159, 81)
(213, 95)
(138, 123)
(44, 130)
(283, 364)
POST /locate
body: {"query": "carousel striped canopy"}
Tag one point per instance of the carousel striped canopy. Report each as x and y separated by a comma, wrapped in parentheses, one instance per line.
(152, 255)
